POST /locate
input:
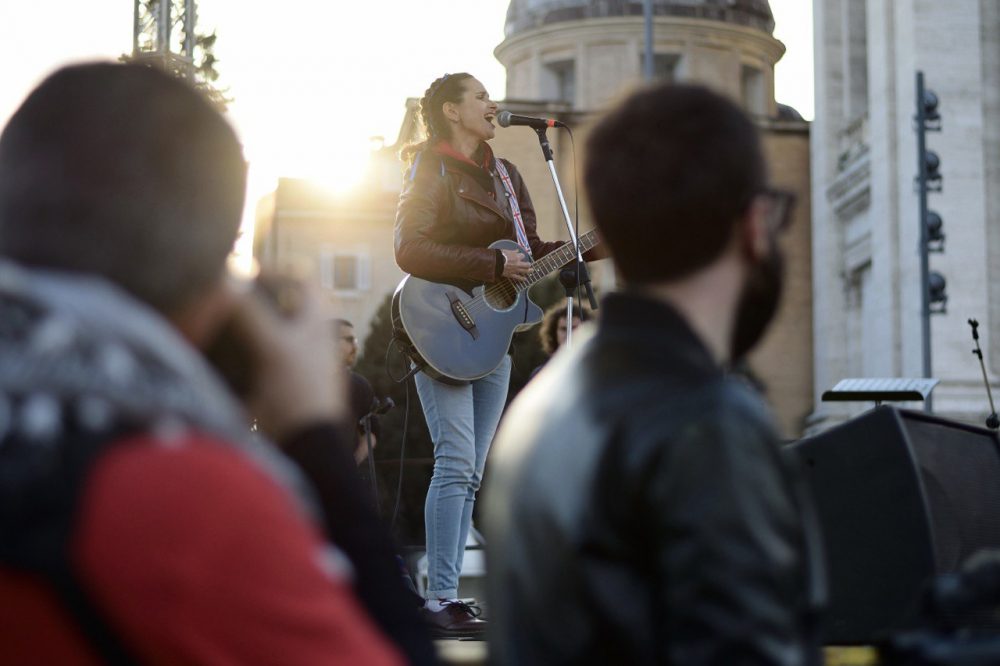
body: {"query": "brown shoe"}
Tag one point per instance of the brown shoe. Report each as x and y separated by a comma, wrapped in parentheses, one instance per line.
(456, 620)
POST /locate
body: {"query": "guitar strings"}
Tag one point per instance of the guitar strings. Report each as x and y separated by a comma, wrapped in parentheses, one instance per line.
(504, 289)
(508, 289)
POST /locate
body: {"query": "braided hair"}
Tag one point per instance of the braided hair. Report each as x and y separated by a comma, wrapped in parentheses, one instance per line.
(448, 88)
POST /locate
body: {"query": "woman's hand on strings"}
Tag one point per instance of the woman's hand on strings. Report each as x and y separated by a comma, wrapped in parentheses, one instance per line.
(516, 266)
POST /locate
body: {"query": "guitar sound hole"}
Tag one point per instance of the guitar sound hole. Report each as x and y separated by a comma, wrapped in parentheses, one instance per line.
(500, 296)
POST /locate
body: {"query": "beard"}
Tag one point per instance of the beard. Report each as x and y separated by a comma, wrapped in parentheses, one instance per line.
(758, 303)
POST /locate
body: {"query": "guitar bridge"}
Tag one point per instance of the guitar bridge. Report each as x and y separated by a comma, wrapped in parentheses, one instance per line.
(461, 314)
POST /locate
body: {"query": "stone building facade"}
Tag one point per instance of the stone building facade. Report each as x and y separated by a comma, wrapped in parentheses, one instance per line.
(581, 55)
(866, 225)
(343, 243)
(569, 59)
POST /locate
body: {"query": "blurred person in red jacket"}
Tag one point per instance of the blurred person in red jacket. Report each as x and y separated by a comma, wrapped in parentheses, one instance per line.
(140, 519)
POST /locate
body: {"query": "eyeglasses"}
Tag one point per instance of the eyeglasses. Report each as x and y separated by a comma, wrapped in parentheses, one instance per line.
(778, 212)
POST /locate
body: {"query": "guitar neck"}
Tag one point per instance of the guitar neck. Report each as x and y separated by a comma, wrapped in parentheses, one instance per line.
(558, 258)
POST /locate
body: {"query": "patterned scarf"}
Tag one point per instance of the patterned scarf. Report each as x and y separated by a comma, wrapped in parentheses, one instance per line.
(79, 361)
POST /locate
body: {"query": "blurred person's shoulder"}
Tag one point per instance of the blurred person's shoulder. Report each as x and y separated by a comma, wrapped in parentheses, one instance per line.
(187, 475)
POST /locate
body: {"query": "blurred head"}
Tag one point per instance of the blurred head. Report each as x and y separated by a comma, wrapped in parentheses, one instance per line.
(123, 172)
(553, 329)
(676, 177)
(669, 174)
(347, 342)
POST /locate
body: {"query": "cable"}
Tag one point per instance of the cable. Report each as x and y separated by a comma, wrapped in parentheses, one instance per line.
(406, 422)
(576, 218)
(402, 452)
(371, 457)
(388, 348)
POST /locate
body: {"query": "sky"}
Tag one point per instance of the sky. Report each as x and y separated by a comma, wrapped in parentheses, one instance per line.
(312, 81)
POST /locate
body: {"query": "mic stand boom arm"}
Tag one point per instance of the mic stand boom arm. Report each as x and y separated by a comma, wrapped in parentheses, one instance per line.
(583, 277)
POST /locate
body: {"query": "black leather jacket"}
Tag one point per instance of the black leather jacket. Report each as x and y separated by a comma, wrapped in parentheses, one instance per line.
(640, 510)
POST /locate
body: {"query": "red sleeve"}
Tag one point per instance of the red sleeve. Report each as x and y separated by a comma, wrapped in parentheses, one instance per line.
(199, 557)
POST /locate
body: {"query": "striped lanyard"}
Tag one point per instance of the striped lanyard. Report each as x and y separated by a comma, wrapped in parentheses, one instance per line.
(515, 209)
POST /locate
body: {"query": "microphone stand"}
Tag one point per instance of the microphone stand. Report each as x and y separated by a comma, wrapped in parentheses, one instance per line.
(568, 278)
(378, 407)
(582, 276)
(992, 421)
(366, 421)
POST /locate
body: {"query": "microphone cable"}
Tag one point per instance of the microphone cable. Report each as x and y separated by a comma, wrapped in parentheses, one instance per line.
(394, 341)
(576, 218)
(367, 420)
(378, 407)
(402, 449)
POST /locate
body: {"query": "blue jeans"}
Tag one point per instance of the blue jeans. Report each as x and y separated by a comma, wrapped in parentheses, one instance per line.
(462, 421)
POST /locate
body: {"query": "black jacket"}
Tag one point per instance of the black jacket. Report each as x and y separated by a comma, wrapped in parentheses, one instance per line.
(640, 511)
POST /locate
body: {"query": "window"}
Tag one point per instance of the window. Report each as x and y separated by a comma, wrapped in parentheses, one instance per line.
(664, 66)
(345, 271)
(752, 90)
(855, 21)
(559, 81)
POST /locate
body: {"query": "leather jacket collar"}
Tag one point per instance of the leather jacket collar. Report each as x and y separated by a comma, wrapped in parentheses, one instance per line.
(642, 318)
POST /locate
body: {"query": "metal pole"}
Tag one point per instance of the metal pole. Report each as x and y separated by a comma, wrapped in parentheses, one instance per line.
(647, 63)
(163, 28)
(583, 276)
(565, 209)
(135, 30)
(925, 305)
(190, 21)
(569, 321)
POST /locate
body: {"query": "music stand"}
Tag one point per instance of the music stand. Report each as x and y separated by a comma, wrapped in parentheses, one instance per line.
(879, 390)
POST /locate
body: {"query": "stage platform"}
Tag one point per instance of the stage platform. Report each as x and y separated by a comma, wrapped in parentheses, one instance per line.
(474, 653)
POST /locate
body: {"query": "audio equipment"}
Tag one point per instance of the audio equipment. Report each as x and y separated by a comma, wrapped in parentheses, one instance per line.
(901, 496)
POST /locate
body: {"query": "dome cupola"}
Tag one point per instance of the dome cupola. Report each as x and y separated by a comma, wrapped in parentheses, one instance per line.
(527, 14)
(583, 53)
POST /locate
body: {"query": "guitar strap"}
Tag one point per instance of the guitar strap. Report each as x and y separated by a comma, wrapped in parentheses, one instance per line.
(515, 209)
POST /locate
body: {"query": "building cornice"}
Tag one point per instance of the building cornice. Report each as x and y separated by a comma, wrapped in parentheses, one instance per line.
(664, 29)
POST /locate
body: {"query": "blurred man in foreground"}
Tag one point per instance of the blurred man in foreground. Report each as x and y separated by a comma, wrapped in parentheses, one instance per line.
(640, 510)
(140, 522)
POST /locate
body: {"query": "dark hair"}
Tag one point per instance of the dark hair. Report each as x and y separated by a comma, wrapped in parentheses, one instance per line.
(448, 88)
(550, 324)
(125, 172)
(668, 173)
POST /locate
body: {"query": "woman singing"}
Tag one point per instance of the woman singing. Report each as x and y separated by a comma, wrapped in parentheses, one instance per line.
(457, 198)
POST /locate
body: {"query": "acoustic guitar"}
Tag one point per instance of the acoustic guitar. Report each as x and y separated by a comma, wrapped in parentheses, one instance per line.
(459, 331)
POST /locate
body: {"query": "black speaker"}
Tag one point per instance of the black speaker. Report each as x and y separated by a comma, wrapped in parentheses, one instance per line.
(901, 496)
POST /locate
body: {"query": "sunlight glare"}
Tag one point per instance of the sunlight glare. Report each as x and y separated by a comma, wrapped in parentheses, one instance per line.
(340, 171)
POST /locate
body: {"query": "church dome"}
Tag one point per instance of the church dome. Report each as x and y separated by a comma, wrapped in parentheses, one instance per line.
(525, 15)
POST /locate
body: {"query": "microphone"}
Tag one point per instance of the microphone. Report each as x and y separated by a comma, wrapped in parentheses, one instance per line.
(507, 119)
(382, 406)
